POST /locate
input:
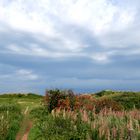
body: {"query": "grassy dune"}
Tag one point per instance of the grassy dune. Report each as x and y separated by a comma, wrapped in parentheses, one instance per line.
(12, 109)
(62, 115)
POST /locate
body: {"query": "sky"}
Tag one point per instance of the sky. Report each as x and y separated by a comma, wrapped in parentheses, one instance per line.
(84, 45)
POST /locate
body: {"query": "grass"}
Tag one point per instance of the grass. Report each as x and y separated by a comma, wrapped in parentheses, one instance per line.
(128, 100)
(10, 118)
(34, 132)
(107, 115)
(82, 125)
(16, 101)
(93, 118)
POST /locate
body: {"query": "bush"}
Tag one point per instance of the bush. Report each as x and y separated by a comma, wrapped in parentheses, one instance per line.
(59, 99)
(128, 100)
(85, 102)
(105, 92)
(106, 103)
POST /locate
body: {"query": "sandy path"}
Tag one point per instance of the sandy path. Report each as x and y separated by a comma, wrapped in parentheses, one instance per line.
(26, 110)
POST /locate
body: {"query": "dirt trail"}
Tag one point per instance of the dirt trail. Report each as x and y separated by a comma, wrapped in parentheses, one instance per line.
(25, 127)
(25, 136)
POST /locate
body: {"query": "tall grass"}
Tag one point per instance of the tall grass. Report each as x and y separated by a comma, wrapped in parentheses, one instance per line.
(83, 117)
(82, 125)
(10, 117)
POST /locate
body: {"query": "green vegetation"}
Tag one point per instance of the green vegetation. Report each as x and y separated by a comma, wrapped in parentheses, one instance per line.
(12, 113)
(82, 125)
(55, 98)
(128, 100)
(97, 117)
(62, 115)
(19, 95)
(10, 118)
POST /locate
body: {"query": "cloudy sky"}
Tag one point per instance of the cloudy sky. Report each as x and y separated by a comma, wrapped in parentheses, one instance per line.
(84, 45)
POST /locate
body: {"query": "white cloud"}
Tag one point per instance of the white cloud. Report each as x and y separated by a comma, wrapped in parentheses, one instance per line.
(45, 15)
(49, 21)
(100, 17)
(21, 74)
(21, 15)
(39, 51)
(24, 74)
(101, 57)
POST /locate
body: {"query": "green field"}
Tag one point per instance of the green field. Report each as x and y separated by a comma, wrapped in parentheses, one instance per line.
(14, 114)
(61, 115)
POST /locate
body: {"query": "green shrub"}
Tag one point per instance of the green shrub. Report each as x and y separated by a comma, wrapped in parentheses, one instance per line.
(105, 92)
(128, 100)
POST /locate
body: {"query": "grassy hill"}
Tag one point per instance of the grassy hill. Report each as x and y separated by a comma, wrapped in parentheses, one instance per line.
(14, 114)
(99, 116)
(19, 95)
(128, 99)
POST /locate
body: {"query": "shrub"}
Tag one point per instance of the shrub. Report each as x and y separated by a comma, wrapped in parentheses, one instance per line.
(128, 100)
(85, 102)
(105, 92)
(108, 104)
(59, 99)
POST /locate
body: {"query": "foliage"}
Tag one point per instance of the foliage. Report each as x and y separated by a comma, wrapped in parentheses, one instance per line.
(105, 92)
(37, 113)
(85, 102)
(80, 117)
(59, 98)
(20, 95)
(111, 115)
(61, 126)
(67, 100)
(82, 125)
(10, 117)
(107, 103)
(128, 100)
